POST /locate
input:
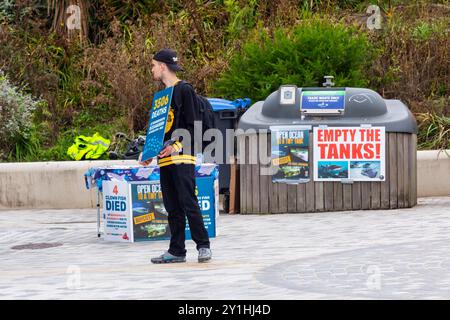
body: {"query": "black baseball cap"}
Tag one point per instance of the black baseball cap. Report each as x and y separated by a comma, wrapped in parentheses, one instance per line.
(168, 57)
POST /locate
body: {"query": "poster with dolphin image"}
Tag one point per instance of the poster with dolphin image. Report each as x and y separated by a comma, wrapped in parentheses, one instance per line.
(290, 155)
(353, 153)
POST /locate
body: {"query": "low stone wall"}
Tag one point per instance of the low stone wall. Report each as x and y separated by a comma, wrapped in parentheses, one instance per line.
(433, 173)
(49, 185)
(61, 185)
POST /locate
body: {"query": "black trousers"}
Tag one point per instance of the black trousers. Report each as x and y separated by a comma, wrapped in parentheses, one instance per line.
(180, 201)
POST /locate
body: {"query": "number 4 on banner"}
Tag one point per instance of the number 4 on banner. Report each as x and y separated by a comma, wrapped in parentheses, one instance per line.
(115, 190)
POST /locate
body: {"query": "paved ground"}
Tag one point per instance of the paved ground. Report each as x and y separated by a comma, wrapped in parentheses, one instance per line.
(397, 254)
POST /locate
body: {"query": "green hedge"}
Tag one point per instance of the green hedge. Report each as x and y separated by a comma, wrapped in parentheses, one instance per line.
(302, 56)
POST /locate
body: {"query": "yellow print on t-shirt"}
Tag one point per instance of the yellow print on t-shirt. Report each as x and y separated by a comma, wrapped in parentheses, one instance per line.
(170, 118)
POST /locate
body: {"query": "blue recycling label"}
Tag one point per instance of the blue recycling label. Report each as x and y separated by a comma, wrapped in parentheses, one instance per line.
(323, 100)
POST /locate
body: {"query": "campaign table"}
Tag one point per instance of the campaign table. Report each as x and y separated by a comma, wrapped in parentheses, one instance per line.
(133, 209)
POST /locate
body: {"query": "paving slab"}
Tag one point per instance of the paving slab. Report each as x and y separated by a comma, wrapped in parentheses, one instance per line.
(372, 254)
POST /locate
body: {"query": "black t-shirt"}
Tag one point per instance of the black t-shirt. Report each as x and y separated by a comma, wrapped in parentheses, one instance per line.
(184, 110)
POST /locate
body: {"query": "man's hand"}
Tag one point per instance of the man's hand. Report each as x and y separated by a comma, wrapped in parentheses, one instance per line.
(167, 151)
(144, 163)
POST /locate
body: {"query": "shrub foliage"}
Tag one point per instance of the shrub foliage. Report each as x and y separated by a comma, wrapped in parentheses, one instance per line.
(301, 56)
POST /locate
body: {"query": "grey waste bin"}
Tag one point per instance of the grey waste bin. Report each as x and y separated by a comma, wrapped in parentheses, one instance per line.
(362, 107)
(226, 115)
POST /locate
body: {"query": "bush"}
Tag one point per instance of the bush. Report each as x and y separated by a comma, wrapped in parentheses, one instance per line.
(414, 63)
(434, 126)
(301, 56)
(16, 110)
(6, 10)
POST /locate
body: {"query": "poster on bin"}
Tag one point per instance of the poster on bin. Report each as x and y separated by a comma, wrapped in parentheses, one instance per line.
(289, 154)
(117, 226)
(157, 123)
(150, 218)
(353, 153)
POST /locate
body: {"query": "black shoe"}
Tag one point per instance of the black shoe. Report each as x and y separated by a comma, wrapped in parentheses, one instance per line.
(166, 257)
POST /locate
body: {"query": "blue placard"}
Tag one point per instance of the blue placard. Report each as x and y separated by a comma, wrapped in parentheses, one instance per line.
(323, 101)
(157, 123)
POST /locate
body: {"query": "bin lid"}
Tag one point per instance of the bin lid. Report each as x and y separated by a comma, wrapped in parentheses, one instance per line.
(219, 104)
(359, 106)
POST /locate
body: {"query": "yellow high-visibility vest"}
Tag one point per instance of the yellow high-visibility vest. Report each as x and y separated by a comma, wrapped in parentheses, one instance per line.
(88, 147)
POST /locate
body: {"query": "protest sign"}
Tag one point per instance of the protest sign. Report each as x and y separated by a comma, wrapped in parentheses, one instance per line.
(157, 123)
(355, 153)
(290, 156)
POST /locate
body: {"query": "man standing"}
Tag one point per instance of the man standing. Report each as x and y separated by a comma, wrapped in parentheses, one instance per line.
(177, 164)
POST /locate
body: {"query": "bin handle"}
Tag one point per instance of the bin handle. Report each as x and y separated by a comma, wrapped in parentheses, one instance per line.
(227, 114)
